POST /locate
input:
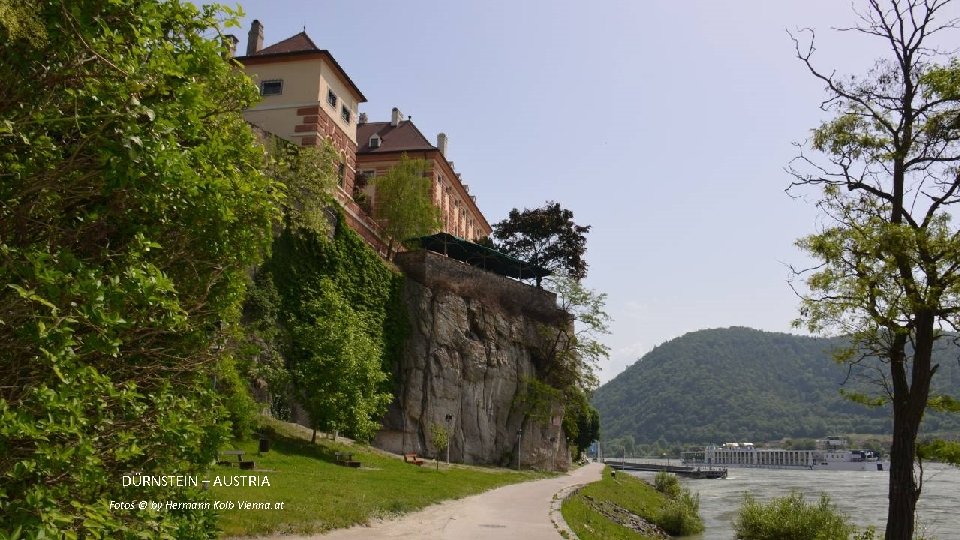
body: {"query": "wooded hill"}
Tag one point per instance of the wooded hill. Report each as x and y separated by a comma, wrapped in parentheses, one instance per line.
(740, 384)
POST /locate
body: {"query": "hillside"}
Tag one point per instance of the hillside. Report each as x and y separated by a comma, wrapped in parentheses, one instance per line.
(743, 384)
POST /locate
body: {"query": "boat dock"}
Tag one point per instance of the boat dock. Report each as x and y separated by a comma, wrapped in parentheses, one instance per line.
(679, 470)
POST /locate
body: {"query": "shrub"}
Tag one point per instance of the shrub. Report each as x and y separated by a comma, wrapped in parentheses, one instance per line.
(791, 518)
(681, 515)
(667, 484)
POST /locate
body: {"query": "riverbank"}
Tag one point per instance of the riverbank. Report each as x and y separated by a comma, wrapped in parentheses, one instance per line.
(622, 506)
(309, 492)
(861, 495)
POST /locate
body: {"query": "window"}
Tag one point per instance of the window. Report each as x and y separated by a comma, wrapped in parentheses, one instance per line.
(271, 88)
(331, 99)
(341, 173)
(345, 114)
(374, 141)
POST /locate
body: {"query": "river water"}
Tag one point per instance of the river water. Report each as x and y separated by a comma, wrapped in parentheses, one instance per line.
(861, 495)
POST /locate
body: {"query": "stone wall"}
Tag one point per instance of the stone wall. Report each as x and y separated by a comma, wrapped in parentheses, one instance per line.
(475, 338)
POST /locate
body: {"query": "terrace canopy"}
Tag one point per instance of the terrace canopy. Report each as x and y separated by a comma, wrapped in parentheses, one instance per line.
(483, 257)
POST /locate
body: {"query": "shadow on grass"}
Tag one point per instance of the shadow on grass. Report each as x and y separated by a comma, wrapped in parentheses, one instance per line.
(296, 446)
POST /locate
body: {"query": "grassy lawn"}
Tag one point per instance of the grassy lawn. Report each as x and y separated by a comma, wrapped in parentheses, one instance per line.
(318, 495)
(626, 491)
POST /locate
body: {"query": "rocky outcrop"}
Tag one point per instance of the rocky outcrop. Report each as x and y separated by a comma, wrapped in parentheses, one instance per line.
(476, 340)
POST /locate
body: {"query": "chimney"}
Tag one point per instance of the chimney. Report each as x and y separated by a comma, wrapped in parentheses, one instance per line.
(442, 143)
(362, 119)
(395, 117)
(232, 44)
(254, 38)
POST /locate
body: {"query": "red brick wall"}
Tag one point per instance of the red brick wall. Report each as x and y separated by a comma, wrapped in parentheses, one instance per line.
(317, 125)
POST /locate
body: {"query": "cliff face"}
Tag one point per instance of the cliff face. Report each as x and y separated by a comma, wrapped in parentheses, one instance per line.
(475, 339)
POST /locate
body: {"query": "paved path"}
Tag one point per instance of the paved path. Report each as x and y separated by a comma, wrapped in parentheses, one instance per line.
(514, 511)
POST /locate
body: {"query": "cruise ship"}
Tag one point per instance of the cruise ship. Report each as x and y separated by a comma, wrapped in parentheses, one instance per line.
(831, 454)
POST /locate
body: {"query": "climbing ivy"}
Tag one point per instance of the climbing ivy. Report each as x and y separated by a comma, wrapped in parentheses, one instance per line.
(338, 327)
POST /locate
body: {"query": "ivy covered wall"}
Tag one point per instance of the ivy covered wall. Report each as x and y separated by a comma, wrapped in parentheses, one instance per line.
(326, 324)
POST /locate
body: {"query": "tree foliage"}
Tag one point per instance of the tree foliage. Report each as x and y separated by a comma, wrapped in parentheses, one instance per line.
(576, 349)
(131, 205)
(581, 422)
(335, 365)
(404, 207)
(327, 326)
(547, 237)
(306, 177)
(888, 270)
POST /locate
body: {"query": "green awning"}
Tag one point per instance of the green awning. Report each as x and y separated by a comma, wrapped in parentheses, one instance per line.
(483, 257)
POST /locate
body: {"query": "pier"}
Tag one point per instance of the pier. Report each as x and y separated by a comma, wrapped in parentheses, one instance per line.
(680, 470)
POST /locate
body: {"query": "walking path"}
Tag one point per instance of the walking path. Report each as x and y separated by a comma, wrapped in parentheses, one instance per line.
(514, 511)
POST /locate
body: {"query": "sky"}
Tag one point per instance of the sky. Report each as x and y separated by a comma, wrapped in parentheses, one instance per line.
(666, 126)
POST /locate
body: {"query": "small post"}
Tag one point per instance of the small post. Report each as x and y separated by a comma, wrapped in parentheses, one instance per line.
(519, 435)
(449, 434)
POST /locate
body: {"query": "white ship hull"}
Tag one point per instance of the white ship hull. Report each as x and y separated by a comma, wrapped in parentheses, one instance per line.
(864, 466)
(825, 459)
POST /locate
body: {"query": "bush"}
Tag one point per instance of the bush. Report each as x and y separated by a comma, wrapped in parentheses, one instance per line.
(681, 515)
(791, 518)
(667, 484)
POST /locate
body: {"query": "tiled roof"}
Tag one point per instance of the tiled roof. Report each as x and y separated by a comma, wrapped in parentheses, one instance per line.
(403, 137)
(295, 46)
(298, 43)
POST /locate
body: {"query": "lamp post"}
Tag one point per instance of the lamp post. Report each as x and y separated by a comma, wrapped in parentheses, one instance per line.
(449, 435)
(519, 435)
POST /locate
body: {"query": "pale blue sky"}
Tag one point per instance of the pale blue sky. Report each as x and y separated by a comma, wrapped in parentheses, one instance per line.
(664, 125)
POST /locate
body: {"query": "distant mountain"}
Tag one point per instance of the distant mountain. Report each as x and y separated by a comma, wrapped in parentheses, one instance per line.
(740, 384)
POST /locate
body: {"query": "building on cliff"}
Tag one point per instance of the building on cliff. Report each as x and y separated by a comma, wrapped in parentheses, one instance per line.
(477, 340)
(308, 98)
(380, 146)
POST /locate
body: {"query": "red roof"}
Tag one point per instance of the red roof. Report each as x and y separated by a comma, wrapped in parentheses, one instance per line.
(298, 45)
(400, 138)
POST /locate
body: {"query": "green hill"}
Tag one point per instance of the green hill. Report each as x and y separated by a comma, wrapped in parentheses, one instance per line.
(740, 384)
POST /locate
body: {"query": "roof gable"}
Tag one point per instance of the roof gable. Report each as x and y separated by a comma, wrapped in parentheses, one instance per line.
(298, 43)
(297, 47)
(403, 137)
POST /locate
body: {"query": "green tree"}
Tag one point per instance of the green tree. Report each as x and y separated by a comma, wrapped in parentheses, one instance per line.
(440, 439)
(575, 349)
(581, 422)
(547, 237)
(403, 204)
(335, 366)
(888, 271)
(131, 206)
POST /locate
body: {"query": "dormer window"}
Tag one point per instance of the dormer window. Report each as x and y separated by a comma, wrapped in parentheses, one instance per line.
(374, 141)
(271, 88)
(345, 114)
(331, 99)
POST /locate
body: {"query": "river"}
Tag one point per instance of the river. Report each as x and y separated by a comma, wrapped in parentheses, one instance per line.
(861, 495)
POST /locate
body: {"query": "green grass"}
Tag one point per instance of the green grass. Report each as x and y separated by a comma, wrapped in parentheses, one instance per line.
(319, 495)
(625, 491)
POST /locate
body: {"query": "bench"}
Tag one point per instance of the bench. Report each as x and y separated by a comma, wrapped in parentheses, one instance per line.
(245, 465)
(412, 458)
(346, 459)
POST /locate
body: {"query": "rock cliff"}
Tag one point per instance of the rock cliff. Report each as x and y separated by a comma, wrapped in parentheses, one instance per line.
(475, 341)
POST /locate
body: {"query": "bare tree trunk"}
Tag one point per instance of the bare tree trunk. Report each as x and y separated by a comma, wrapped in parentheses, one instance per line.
(902, 492)
(909, 404)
